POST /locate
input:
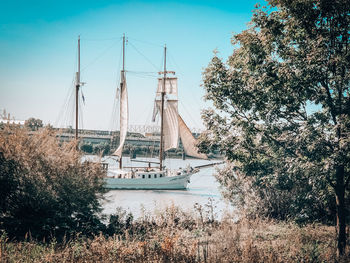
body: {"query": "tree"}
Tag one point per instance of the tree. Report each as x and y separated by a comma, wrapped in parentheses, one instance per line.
(87, 148)
(283, 109)
(33, 124)
(102, 148)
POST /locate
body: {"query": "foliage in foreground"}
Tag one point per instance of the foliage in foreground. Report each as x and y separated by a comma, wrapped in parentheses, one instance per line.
(45, 189)
(282, 113)
(175, 236)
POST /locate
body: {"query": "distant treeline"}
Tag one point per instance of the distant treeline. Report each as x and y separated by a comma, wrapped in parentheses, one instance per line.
(136, 150)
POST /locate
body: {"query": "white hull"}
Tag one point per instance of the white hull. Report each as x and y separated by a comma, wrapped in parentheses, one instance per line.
(145, 180)
(164, 183)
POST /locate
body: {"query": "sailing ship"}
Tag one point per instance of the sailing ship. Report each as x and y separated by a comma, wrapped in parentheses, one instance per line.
(172, 128)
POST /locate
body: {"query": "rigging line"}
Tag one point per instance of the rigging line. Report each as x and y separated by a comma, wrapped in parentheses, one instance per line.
(63, 115)
(141, 72)
(80, 118)
(63, 107)
(173, 60)
(194, 99)
(189, 114)
(101, 39)
(162, 62)
(68, 105)
(112, 125)
(145, 76)
(115, 110)
(181, 74)
(118, 77)
(114, 114)
(146, 42)
(146, 106)
(100, 55)
(69, 109)
(149, 61)
(69, 120)
(149, 116)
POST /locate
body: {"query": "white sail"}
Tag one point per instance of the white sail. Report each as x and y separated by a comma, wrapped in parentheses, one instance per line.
(188, 141)
(124, 116)
(155, 111)
(170, 86)
(171, 124)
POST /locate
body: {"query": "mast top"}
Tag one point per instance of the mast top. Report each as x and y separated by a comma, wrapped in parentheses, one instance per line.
(167, 72)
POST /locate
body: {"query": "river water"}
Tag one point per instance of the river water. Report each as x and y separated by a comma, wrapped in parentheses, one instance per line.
(203, 190)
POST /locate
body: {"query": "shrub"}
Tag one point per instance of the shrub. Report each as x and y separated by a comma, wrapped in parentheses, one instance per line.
(46, 190)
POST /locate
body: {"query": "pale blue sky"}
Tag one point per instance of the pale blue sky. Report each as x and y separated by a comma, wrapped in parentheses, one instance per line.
(38, 53)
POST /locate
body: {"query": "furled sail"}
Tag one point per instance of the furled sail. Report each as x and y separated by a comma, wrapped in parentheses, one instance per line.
(170, 86)
(124, 116)
(171, 124)
(188, 141)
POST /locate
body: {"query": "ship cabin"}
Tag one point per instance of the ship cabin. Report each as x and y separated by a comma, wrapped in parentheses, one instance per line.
(149, 174)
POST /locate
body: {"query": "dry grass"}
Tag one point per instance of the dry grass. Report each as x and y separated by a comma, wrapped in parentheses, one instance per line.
(175, 236)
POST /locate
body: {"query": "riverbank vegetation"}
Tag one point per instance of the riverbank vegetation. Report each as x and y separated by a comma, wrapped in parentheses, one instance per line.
(175, 236)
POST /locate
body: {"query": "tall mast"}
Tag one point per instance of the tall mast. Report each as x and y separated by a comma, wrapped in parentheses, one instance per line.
(162, 115)
(123, 53)
(77, 85)
(121, 87)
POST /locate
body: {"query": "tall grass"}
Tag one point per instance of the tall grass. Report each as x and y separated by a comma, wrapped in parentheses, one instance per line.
(45, 188)
(176, 236)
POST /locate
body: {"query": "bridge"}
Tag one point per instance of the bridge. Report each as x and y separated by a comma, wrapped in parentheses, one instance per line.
(94, 137)
(112, 138)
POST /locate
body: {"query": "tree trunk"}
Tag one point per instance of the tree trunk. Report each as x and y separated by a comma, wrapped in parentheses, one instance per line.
(341, 211)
